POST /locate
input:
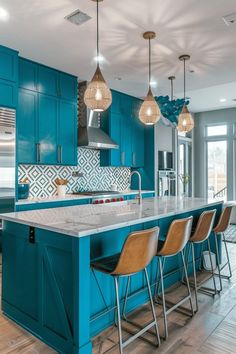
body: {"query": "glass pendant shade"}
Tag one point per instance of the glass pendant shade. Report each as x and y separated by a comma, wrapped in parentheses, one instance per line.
(185, 121)
(98, 96)
(149, 112)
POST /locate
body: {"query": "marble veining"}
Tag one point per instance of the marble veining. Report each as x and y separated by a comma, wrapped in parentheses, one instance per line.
(91, 219)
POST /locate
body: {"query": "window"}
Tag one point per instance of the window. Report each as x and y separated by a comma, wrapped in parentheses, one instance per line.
(217, 130)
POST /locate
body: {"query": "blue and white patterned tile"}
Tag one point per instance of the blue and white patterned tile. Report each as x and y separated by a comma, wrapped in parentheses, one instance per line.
(42, 178)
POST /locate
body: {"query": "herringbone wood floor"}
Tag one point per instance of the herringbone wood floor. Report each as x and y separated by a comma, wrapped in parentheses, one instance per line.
(211, 331)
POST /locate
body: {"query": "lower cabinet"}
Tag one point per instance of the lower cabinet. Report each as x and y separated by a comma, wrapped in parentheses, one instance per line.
(49, 205)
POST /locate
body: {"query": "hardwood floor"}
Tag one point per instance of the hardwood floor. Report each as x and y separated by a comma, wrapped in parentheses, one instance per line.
(211, 331)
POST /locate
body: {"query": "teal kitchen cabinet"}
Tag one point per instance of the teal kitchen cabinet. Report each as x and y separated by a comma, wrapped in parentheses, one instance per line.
(8, 64)
(8, 93)
(67, 87)
(111, 123)
(67, 133)
(27, 126)
(8, 77)
(28, 74)
(48, 81)
(123, 126)
(47, 130)
(48, 103)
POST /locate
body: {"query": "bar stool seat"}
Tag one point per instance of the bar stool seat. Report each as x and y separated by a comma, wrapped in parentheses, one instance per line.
(106, 264)
(138, 251)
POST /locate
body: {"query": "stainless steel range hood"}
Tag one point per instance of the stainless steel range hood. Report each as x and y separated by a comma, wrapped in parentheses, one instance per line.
(90, 134)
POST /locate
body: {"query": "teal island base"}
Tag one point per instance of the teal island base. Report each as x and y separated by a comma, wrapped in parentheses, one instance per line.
(48, 288)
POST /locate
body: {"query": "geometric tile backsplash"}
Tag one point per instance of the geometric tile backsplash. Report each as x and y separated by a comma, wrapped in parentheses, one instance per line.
(42, 177)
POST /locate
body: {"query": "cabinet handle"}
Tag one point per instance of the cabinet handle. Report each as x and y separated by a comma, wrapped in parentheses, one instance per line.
(59, 153)
(38, 153)
(123, 158)
(133, 158)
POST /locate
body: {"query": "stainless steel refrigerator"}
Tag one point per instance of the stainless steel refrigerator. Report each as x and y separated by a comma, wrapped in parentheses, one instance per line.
(7, 160)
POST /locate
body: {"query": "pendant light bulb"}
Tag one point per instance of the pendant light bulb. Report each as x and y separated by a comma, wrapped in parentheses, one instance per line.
(149, 112)
(185, 120)
(98, 96)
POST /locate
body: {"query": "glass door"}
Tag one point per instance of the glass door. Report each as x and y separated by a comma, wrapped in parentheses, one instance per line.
(217, 169)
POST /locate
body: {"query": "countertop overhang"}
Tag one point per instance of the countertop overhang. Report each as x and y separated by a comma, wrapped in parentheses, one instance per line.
(84, 220)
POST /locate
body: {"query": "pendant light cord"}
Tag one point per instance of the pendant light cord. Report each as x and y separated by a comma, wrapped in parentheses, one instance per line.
(172, 89)
(149, 74)
(184, 80)
(98, 54)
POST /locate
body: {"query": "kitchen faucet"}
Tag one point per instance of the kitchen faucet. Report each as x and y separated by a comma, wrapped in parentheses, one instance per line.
(139, 185)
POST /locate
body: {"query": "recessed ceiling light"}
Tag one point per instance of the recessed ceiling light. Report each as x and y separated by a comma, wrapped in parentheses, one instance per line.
(191, 71)
(118, 78)
(234, 99)
(99, 59)
(223, 100)
(4, 15)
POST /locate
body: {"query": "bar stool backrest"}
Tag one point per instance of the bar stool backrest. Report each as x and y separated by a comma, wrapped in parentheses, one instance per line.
(177, 237)
(139, 249)
(224, 220)
(204, 226)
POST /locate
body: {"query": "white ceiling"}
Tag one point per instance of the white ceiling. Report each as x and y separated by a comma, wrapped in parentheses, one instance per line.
(38, 30)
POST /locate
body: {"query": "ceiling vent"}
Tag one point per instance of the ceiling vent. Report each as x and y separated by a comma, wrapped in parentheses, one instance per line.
(229, 19)
(78, 17)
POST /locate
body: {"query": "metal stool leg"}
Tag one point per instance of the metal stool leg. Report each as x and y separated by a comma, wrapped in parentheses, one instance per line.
(118, 315)
(194, 276)
(126, 298)
(218, 262)
(212, 269)
(163, 298)
(152, 306)
(227, 255)
(187, 281)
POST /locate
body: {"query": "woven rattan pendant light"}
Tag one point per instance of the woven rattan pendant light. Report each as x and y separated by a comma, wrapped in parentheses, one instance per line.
(97, 96)
(185, 120)
(149, 112)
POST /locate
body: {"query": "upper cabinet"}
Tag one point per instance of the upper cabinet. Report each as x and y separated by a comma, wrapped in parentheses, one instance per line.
(121, 122)
(43, 79)
(47, 115)
(8, 77)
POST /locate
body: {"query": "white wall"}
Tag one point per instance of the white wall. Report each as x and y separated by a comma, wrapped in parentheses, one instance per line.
(163, 138)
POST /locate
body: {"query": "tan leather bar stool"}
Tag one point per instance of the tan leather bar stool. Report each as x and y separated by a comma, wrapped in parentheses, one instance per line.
(176, 239)
(200, 235)
(138, 251)
(220, 229)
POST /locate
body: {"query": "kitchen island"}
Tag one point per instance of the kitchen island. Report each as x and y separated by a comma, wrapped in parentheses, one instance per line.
(47, 285)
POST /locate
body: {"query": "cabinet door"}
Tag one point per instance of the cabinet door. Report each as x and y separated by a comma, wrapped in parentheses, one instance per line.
(137, 129)
(47, 129)
(8, 94)
(67, 133)
(126, 141)
(27, 74)
(27, 124)
(47, 80)
(8, 64)
(67, 87)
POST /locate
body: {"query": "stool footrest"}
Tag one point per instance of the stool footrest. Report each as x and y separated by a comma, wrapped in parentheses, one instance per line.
(138, 334)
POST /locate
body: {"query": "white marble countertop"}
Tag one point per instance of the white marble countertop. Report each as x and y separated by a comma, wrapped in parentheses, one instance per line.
(83, 220)
(69, 197)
